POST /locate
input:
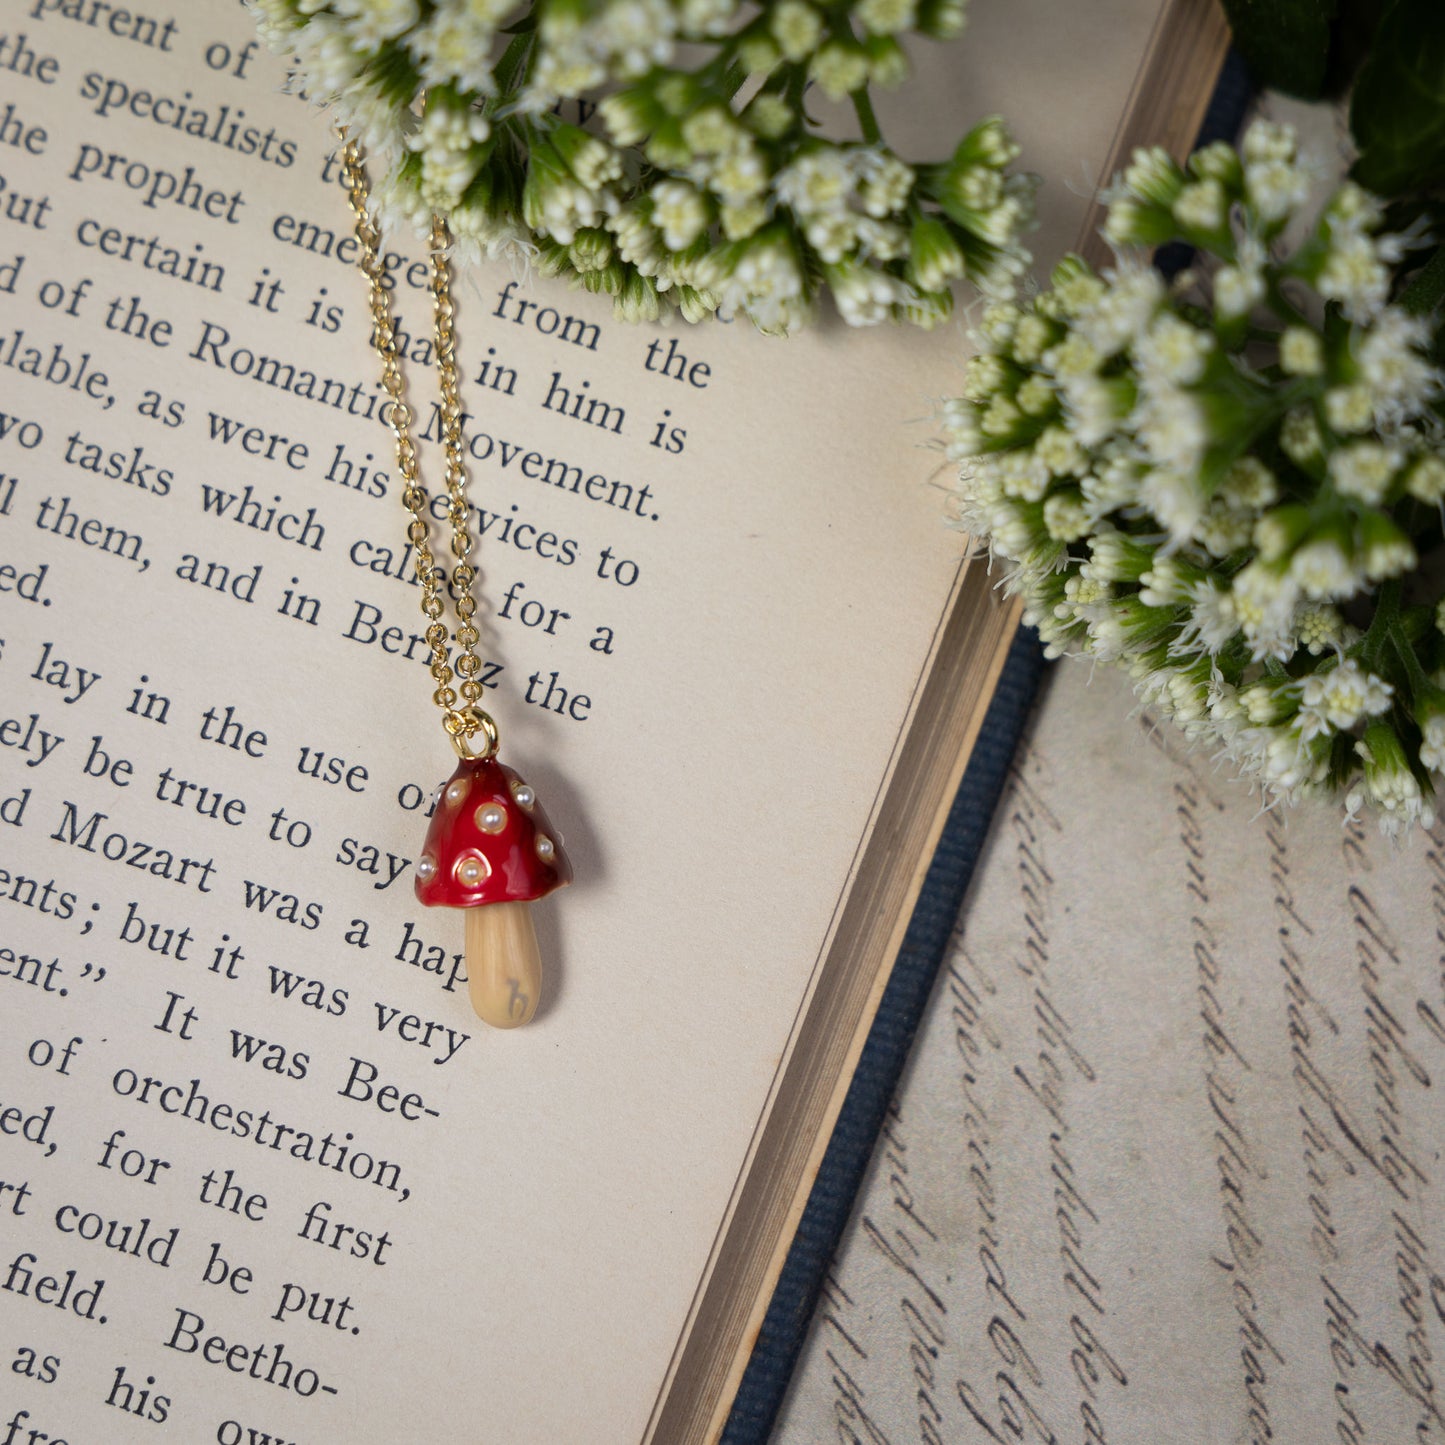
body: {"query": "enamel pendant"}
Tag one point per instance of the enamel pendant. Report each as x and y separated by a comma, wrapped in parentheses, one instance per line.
(490, 849)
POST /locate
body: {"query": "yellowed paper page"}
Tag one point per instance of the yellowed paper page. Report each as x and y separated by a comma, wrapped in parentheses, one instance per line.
(261, 1171)
(1166, 1162)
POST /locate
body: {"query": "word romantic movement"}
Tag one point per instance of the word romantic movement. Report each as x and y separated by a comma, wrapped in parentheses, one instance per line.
(212, 1195)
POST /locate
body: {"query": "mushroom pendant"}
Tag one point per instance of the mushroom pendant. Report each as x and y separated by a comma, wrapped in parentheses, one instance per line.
(491, 850)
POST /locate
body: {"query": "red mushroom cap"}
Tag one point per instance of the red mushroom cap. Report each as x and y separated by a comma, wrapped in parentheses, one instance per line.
(489, 842)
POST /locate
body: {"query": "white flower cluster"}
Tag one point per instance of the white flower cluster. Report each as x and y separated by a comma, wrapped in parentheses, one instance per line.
(672, 194)
(1226, 485)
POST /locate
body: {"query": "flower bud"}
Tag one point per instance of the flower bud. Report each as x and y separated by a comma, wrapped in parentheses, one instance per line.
(886, 17)
(839, 67)
(934, 256)
(591, 249)
(797, 27)
(1218, 161)
(1426, 479)
(1428, 707)
(1301, 352)
(629, 115)
(757, 54)
(1389, 781)
(1384, 549)
(1132, 222)
(941, 19)
(1280, 531)
(1154, 177)
(769, 115)
(887, 61)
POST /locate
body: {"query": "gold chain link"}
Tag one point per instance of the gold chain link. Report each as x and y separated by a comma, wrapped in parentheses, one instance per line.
(465, 721)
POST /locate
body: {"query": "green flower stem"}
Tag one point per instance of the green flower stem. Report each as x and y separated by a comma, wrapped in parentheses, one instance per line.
(797, 85)
(732, 79)
(1405, 650)
(867, 121)
(1387, 613)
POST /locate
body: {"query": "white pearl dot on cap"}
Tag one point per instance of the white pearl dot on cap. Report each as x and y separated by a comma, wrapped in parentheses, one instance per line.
(471, 869)
(545, 847)
(456, 791)
(426, 868)
(491, 817)
(524, 794)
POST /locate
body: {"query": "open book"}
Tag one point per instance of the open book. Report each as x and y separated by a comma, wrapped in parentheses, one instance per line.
(262, 1174)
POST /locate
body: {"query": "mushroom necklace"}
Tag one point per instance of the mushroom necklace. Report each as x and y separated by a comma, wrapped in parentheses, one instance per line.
(489, 848)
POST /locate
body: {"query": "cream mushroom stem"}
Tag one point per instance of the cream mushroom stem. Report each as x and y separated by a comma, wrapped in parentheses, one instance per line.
(504, 968)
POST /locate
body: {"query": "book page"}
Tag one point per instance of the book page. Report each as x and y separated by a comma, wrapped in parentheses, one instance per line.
(1168, 1149)
(262, 1173)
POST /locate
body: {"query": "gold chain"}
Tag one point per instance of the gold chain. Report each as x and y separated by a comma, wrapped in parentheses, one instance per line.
(463, 722)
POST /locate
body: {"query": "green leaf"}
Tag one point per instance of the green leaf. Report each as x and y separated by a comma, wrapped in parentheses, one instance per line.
(1354, 30)
(1426, 291)
(1285, 43)
(1397, 113)
(394, 73)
